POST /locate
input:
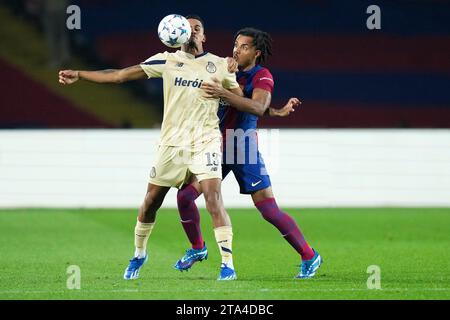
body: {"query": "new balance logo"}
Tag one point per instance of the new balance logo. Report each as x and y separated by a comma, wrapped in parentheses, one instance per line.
(226, 250)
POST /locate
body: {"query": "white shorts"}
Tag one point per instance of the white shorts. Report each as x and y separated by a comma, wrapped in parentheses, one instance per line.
(174, 166)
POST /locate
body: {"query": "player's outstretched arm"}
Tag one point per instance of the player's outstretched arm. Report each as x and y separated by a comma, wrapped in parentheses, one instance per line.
(103, 76)
(257, 105)
(286, 110)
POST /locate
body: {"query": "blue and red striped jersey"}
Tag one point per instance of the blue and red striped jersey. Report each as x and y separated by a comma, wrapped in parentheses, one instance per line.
(231, 118)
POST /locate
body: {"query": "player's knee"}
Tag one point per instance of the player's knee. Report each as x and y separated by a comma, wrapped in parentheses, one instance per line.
(183, 198)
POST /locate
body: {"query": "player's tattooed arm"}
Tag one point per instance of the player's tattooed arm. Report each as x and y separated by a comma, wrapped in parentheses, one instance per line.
(286, 110)
(257, 105)
(103, 76)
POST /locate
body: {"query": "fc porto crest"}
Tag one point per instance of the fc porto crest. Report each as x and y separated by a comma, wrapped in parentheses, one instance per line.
(211, 67)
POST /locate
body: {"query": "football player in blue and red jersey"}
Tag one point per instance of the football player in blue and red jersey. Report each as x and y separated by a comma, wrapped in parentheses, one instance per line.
(238, 122)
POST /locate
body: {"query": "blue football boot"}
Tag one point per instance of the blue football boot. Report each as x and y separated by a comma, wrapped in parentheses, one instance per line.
(308, 268)
(226, 273)
(132, 271)
(191, 256)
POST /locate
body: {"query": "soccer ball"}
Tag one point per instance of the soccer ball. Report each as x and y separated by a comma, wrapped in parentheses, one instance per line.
(174, 30)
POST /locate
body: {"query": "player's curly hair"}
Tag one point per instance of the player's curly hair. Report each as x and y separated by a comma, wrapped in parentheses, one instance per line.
(261, 40)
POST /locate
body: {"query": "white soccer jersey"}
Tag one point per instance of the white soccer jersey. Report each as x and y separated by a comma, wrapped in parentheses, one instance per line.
(190, 120)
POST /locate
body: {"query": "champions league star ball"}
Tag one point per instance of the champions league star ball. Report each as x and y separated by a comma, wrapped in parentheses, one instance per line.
(174, 30)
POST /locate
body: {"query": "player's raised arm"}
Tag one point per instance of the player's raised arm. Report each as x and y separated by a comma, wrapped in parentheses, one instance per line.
(103, 76)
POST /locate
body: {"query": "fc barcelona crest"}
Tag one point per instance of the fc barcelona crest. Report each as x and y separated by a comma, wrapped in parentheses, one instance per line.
(211, 67)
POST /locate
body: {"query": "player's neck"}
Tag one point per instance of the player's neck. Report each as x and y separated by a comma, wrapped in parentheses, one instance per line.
(194, 51)
(249, 67)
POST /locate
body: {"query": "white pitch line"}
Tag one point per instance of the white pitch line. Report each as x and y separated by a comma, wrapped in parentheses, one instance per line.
(223, 291)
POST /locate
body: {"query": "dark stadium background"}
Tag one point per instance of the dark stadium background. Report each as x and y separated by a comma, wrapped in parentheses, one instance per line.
(346, 75)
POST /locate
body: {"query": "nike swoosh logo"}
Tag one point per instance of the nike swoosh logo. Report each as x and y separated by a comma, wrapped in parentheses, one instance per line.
(183, 259)
(256, 183)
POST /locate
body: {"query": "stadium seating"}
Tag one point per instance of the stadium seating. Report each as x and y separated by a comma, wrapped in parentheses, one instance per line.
(346, 75)
(39, 107)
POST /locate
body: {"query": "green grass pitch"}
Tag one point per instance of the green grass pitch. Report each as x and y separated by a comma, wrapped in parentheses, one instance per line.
(410, 246)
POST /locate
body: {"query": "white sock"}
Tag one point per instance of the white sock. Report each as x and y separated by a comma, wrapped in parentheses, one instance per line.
(224, 238)
(229, 264)
(140, 253)
(142, 232)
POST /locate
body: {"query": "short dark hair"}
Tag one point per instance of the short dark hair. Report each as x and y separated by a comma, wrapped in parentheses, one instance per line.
(196, 17)
(261, 40)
